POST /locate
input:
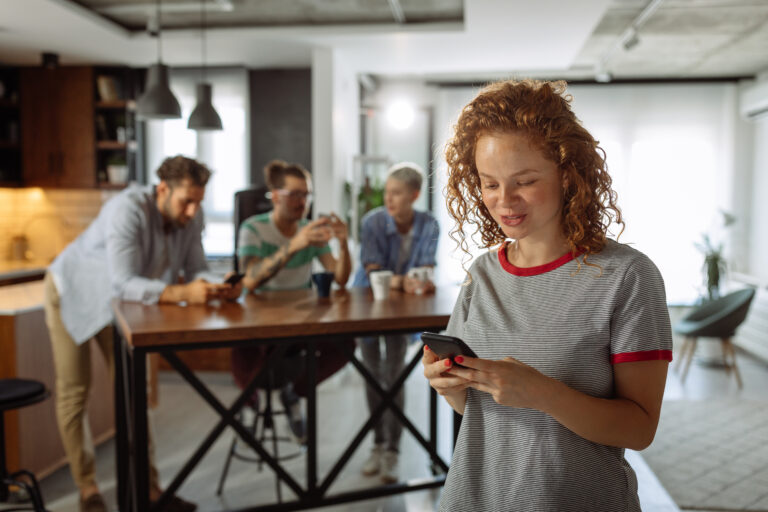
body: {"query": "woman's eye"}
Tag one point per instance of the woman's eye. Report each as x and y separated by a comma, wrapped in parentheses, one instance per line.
(524, 183)
(490, 186)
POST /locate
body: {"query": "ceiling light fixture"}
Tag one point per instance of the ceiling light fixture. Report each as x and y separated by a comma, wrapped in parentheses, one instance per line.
(631, 39)
(158, 102)
(627, 40)
(204, 117)
(400, 114)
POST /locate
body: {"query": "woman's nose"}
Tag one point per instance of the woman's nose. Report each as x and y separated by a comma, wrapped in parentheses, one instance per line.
(509, 195)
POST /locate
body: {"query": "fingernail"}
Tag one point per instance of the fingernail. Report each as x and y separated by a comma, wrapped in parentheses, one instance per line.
(458, 359)
(447, 362)
(426, 348)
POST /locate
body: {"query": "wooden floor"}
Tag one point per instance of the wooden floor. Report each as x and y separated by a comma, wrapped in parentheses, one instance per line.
(342, 410)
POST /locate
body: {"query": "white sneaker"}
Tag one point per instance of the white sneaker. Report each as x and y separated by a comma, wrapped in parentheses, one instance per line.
(372, 465)
(388, 469)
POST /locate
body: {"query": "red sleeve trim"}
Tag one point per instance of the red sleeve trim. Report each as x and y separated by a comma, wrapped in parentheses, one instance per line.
(645, 355)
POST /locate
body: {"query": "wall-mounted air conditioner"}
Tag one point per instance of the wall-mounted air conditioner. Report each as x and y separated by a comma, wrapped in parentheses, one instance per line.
(754, 102)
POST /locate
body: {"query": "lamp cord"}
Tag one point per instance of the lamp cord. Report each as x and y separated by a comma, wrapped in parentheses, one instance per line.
(159, 32)
(202, 38)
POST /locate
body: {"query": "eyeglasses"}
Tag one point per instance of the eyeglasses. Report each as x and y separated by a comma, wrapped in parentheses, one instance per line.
(293, 195)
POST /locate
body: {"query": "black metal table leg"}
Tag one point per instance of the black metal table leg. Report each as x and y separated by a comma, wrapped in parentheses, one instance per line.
(311, 371)
(122, 440)
(140, 431)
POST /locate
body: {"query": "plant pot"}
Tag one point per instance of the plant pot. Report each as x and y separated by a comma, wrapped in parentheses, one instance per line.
(117, 174)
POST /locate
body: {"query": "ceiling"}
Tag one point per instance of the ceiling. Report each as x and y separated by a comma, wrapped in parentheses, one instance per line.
(446, 40)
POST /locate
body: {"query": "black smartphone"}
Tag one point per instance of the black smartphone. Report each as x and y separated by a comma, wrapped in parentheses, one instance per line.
(446, 346)
(234, 279)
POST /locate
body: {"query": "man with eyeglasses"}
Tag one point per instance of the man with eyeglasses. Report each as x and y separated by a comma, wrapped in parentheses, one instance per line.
(277, 249)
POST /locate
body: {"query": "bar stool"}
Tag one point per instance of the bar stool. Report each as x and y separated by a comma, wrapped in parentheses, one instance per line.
(259, 419)
(14, 394)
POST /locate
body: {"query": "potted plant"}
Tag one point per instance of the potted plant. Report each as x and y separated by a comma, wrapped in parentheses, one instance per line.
(117, 170)
(714, 261)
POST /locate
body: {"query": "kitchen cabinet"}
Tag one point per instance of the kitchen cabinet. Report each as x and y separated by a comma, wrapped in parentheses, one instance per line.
(32, 437)
(57, 125)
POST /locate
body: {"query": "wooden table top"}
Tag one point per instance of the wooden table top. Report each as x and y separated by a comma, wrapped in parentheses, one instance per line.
(283, 314)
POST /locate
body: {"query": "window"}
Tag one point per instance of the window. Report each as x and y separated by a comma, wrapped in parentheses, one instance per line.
(225, 152)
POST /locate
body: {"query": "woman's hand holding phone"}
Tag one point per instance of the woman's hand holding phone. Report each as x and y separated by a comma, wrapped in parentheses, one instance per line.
(452, 387)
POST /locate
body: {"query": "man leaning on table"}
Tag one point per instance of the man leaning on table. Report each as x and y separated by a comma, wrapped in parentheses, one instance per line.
(142, 242)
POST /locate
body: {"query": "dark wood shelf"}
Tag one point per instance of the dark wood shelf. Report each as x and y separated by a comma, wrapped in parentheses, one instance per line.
(105, 185)
(110, 144)
(10, 184)
(113, 104)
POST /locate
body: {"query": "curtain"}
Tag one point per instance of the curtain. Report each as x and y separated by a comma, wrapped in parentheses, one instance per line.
(670, 153)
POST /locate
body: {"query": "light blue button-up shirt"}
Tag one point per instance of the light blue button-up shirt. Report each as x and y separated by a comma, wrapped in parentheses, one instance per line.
(124, 253)
(380, 243)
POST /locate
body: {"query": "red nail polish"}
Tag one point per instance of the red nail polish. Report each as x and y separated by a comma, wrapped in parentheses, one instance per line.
(458, 359)
(426, 348)
(447, 362)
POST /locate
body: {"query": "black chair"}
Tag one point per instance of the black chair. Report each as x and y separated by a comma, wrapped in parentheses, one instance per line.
(259, 418)
(715, 319)
(249, 202)
(14, 394)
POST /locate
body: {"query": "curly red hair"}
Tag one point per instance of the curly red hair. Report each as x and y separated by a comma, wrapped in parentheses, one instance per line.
(540, 111)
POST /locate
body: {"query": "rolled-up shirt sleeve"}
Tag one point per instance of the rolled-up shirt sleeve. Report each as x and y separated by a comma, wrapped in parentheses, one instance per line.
(124, 259)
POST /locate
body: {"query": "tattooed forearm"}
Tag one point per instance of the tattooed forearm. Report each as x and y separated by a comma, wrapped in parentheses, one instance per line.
(264, 270)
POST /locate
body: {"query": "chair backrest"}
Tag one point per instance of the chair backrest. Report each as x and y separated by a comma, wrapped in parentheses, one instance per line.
(248, 202)
(721, 317)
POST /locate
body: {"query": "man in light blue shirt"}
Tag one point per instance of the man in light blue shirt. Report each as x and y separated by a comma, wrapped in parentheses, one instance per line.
(143, 242)
(398, 238)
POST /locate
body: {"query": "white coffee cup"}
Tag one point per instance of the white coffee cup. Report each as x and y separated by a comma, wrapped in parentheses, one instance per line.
(421, 274)
(380, 280)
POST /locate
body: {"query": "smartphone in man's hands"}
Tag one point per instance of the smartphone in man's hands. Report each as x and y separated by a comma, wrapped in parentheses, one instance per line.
(446, 346)
(234, 279)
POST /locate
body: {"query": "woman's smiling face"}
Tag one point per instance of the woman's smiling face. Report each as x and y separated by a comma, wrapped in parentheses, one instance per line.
(521, 188)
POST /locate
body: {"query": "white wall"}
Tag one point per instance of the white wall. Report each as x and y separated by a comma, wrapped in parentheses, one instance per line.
(335, 127)
(758, 232)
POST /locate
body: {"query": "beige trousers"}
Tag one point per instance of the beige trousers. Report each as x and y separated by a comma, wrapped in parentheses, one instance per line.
(73, 381)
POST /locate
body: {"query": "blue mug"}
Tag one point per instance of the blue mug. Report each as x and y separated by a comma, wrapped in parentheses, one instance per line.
(323, 282)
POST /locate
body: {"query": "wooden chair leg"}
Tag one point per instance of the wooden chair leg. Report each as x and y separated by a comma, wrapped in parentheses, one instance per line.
(727, 343)
(690, 358)
(681, 354)
(726, 354)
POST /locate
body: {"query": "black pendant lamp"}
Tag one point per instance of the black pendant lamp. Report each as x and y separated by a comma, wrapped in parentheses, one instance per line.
(158, 102)
(204, 117)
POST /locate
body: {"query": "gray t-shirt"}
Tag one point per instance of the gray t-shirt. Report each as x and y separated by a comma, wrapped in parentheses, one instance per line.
(571, 326)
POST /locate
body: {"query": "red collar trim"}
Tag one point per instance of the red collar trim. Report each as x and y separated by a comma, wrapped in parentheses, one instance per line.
(531, 271)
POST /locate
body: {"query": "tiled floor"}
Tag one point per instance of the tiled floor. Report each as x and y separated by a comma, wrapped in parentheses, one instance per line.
(190, 419)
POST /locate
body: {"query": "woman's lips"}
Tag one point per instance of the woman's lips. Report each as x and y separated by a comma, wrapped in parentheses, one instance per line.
(512, 220)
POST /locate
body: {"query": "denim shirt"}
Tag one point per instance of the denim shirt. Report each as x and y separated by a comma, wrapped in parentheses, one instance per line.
(380, 243)
(126, 254)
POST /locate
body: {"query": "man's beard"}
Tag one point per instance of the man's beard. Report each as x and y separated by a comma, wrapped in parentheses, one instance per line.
(172, 223)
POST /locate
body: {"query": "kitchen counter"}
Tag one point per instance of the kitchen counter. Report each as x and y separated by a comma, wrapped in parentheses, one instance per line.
(21, 298)
(19, 271)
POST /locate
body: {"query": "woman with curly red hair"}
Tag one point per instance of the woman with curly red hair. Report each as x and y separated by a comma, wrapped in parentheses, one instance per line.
(570, 327)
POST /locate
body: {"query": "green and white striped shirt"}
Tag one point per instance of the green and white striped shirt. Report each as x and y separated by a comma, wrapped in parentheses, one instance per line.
(259, 236)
